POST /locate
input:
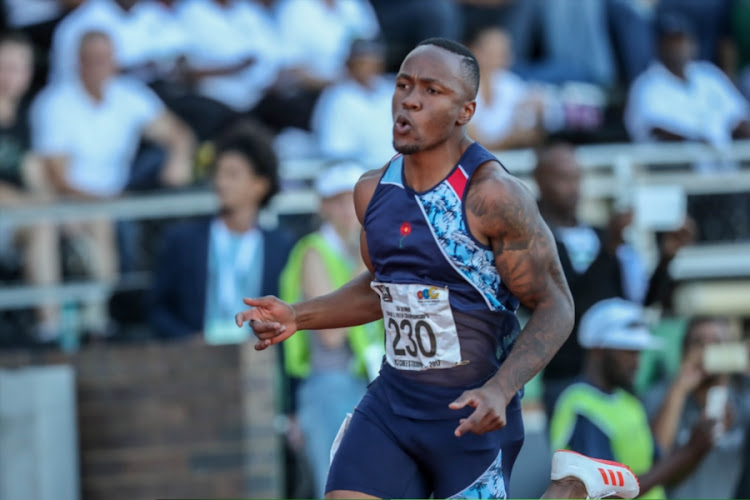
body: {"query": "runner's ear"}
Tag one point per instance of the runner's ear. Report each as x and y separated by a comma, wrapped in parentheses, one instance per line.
(467, 112)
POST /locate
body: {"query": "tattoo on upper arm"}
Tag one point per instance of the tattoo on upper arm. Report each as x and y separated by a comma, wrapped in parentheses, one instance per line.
(526, 257)
(520, 241)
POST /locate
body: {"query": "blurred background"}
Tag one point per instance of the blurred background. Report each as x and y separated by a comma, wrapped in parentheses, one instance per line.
(161, 159)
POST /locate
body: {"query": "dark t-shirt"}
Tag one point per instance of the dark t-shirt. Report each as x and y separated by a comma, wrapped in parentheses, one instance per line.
(15, 142)
(601, 280)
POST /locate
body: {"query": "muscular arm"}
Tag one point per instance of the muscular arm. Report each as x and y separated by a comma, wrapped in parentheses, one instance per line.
(316, 282)
(526, 258)
(354, 303)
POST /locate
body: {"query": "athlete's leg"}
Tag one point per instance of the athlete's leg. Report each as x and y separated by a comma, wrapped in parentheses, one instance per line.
(566, 488)
(473, 466)
(371, 461)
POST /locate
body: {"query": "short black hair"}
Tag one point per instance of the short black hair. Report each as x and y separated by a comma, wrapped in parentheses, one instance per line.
(255, 143)
(468, 60)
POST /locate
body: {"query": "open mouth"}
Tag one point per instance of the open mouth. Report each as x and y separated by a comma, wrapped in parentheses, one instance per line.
(402, 125)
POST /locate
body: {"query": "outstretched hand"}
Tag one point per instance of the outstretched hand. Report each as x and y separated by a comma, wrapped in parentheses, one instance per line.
(271, 319)
(489, 413)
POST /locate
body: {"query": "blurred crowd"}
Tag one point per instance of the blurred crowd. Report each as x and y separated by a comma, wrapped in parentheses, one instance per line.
(104, 98)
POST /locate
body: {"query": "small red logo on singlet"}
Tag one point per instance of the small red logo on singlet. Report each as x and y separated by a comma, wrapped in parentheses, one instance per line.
(405, 231)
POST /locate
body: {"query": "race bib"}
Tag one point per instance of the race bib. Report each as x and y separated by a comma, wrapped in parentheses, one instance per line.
(420, 333)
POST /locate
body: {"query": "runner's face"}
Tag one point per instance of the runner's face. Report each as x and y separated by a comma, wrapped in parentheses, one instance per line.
(429, 98)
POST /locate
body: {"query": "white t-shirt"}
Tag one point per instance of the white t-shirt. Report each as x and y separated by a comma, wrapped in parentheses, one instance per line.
(319, 37)
(706, 107)
(145, 33)
(223, 36)
(99, 138)
(29, 12)
(495, 120)
(155, 34)
(352, 122)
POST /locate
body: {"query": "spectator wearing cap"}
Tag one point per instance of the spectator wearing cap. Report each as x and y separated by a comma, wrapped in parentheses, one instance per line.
(352, 118)
(680, 99)
(207, 266)
(675, 405)
(599, 416)
(332, 367)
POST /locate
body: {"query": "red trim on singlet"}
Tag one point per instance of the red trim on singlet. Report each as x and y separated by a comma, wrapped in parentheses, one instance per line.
(458, 180)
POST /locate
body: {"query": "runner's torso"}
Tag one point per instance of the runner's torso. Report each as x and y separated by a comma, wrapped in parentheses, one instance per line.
(444, 303)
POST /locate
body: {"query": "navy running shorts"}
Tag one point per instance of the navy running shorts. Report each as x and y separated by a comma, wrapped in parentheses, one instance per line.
(387, 452)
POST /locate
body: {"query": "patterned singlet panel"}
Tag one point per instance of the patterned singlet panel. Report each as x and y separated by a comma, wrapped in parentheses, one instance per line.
(423, 238)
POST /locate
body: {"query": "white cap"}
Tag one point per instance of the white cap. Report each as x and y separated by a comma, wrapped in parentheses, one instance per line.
(339, 178)
(615, 324)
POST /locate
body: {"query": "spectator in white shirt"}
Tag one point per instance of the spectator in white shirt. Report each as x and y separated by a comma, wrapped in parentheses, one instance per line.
(678, 99)
(150, 40)
(114, 17)
(235, 50)
(352, 119)
(316, 35)
(87, 130)
(510, 112)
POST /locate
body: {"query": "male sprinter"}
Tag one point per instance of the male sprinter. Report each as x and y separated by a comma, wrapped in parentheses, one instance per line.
(453, 244)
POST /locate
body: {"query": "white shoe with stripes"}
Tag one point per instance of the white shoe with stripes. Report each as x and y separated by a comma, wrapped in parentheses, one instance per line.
(602, 478)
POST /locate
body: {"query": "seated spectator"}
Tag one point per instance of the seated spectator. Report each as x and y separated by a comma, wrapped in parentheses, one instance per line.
(597, 262)
(510, 112)
(150, 41)
(86, 131)
(600, 417)
(117, 18)
(38, 20)
(675, 406)
(333, 366)
(548, 50)
(411, 21)
(206, 267)
(317, 35)
(234, 51)
(20, 171)
(678, 99)
(709, 20)
(352, 119)
(16, 70)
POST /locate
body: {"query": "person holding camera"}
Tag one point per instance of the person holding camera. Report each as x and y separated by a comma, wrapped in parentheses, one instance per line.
(600, 416)
(708, 385)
